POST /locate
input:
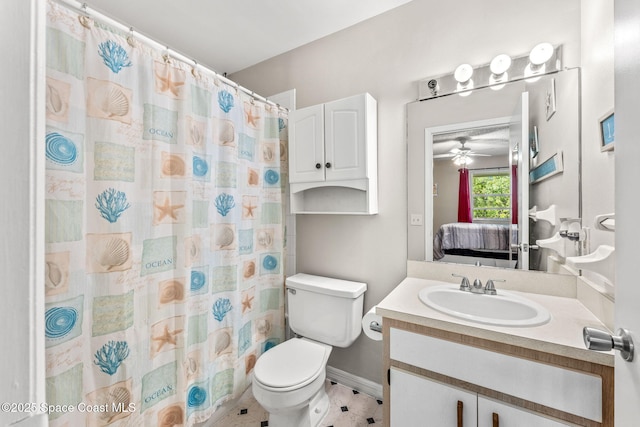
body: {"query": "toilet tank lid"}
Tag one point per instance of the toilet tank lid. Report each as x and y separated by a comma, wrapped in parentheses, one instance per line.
(326, 285)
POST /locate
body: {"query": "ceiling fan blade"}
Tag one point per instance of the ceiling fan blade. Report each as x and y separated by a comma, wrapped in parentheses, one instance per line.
(444, 156)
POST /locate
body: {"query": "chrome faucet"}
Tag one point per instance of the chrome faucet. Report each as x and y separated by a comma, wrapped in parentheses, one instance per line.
(476, 288)
(464, 284)
(490, 287)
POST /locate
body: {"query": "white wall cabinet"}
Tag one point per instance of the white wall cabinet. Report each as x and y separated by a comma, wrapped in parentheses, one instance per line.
(333, 157)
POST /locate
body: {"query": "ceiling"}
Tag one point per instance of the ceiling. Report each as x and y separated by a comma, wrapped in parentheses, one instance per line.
(489, 140)
(230, 35)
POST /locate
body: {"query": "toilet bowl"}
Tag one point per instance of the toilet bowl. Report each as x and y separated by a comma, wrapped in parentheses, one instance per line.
(288, 380)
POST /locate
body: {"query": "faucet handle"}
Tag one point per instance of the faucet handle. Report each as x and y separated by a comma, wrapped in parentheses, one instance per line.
(464, 285)
(490, 288)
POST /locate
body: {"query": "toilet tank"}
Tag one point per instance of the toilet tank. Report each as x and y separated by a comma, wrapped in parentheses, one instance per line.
(325, 309)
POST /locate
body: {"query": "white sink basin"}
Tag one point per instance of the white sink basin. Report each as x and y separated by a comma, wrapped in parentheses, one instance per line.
(504, 309)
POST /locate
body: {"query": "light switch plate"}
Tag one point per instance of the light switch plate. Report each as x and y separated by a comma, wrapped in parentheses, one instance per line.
(416, 219)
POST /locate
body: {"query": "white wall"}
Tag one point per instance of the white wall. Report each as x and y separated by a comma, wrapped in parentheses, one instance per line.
(386, 56)
(597, 99)
(21, 225)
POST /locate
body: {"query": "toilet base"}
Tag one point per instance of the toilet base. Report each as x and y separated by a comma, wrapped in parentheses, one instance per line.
(307, 416)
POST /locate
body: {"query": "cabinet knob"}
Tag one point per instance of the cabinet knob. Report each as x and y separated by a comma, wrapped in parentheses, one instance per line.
(328, 165)
(318, 165)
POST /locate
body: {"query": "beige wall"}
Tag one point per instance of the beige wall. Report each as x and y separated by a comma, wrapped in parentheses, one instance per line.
(22, 371)
(597, 99)
(385, 56)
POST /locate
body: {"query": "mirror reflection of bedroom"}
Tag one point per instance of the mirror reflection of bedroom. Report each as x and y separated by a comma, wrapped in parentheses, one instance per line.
(473, 218)
(518, 155)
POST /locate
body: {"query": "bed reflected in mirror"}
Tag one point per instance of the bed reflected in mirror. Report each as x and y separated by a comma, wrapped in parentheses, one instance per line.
(472, 214)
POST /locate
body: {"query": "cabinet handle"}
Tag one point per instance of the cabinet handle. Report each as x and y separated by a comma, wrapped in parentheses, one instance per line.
(318, 165)
(460, 406)
(496, 420)
(328, 165)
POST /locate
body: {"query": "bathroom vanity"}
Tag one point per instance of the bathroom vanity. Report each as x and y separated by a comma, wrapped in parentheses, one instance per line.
(443, 370)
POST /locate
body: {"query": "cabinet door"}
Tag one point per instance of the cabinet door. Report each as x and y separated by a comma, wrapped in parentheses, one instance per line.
(417, 401)
(306, 144)
(346, 138)
(510, 416)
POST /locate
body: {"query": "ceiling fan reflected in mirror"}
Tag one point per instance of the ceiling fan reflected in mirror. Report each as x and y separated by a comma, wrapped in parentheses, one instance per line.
(462, 145)
(462, 155)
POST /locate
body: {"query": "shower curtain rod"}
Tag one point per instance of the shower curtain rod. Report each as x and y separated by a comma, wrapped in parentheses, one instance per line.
(82, 8)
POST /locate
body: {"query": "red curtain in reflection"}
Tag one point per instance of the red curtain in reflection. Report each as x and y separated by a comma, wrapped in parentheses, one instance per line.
(464, 201)
(514, 194)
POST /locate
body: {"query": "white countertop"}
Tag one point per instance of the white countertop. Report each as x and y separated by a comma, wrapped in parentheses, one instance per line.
(562, 335)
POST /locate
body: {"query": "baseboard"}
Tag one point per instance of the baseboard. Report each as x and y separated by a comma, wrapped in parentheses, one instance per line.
(355, 382)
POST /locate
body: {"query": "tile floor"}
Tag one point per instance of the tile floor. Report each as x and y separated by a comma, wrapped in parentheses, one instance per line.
(349, 408)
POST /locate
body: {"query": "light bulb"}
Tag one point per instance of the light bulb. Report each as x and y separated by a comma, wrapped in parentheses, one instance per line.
(463, 73)
(540, 54)
(538, 57)
(500, 64)
(499, 76)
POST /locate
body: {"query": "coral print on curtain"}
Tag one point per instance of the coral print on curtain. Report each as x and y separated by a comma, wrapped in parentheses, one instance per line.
(164, 232)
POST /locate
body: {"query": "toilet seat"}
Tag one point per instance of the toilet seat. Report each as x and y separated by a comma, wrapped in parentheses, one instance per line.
(292, 364)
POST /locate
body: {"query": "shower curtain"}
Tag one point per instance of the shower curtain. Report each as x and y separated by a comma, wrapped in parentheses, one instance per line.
(164, 231)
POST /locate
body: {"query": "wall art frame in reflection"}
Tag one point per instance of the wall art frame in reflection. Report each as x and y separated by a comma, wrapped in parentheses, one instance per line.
(607, 132)
(534, 143)
(550, 167)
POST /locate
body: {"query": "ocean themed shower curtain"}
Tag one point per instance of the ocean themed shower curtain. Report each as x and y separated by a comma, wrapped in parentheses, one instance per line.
(164, 231)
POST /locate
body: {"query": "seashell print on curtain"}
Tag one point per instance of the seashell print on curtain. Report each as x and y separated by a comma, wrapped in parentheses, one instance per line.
(164, 232)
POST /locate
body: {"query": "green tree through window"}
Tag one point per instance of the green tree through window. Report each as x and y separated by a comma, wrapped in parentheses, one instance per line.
(491, 194)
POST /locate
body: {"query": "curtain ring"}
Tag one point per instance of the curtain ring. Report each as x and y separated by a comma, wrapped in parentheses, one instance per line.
(83, 18)
(85, 21)
(194, 72)
(166, 57)
(131, 41)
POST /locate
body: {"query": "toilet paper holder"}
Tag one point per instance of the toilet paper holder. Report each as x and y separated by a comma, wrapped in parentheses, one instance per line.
(375, 326)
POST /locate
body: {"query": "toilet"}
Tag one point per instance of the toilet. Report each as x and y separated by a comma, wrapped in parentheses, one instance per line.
(288, 380)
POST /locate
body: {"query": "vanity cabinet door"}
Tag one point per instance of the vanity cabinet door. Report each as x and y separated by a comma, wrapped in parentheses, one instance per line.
(417, 401)
(492, 413)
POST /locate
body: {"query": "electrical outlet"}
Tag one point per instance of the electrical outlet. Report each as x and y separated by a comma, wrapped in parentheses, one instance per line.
(416, 219)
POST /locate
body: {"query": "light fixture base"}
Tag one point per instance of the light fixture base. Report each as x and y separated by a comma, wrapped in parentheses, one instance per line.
(486, 75)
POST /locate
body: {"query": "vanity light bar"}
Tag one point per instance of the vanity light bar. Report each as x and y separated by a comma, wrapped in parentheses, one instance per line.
(519, 68)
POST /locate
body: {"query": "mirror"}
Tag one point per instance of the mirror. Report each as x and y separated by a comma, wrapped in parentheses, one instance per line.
(531, 157)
